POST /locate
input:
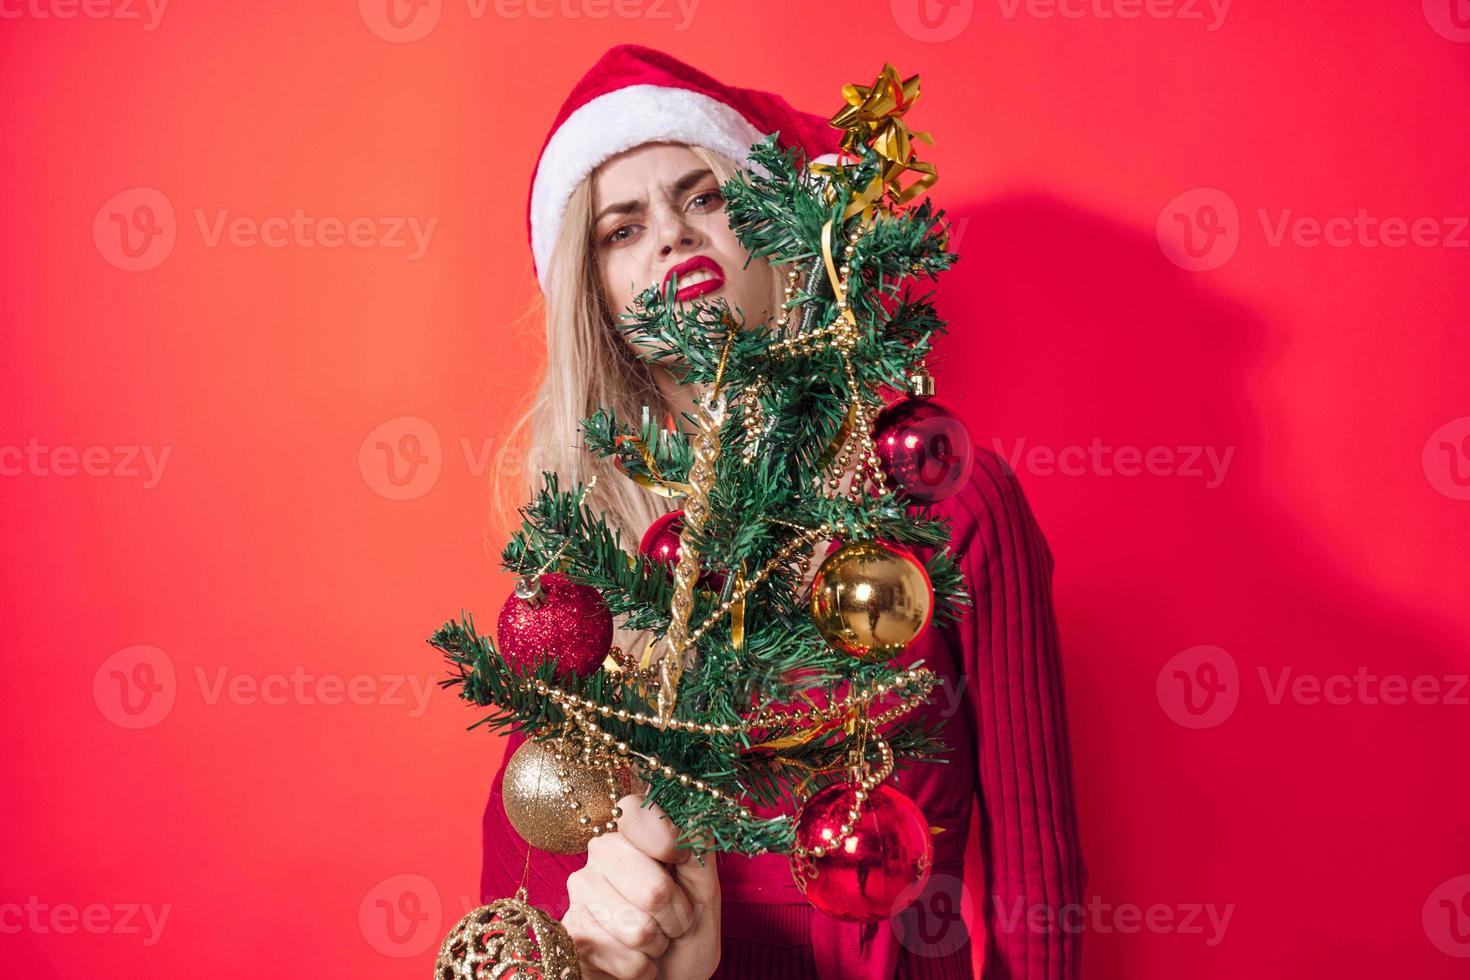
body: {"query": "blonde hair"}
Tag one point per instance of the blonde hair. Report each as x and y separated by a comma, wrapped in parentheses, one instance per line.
(589, 364)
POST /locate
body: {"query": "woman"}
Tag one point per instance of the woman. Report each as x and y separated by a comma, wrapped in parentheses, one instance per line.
(627, 191)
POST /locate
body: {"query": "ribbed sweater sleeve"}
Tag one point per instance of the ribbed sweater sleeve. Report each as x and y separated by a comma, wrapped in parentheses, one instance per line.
(1034, 870)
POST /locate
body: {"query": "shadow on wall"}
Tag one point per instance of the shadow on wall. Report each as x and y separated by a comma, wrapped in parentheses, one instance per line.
(1080, 354)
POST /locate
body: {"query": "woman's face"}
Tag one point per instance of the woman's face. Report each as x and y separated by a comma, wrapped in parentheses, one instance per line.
(657, 209)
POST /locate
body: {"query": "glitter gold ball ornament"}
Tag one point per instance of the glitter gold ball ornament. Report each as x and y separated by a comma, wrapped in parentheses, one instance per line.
(547, 808)
(871, 598)
(507, 938)
(876, 871)
(550, 617)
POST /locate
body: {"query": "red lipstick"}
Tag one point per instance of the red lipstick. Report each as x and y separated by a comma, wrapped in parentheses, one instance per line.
(688, 267)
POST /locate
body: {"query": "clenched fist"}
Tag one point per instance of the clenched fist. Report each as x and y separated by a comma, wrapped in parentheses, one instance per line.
(642, 908)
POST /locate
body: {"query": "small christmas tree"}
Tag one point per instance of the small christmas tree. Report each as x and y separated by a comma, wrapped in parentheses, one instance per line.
(766, 716)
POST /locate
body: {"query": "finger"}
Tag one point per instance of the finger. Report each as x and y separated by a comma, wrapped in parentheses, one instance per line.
(700, 880)
(643, 882)
(650, 830)
(623, 920)
(599, 950)
(699, 877)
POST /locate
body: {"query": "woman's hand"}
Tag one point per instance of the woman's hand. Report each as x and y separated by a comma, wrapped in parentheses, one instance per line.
(642, 908)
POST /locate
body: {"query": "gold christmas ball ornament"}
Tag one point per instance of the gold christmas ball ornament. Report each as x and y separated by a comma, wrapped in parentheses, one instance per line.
(871, 598)
(557, 804)
(507, 938)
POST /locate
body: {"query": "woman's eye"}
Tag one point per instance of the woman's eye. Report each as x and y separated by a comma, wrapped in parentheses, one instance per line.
(620, 234)
(706, 200)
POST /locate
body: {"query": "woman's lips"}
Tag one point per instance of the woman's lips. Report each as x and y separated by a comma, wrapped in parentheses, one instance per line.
(697, 276)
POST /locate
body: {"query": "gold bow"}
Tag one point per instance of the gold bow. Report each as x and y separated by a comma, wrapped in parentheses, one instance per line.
(873, 117)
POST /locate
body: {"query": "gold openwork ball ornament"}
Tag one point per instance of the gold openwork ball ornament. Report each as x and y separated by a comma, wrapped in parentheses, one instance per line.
(871, 598)
(507, 938)
(555, 804)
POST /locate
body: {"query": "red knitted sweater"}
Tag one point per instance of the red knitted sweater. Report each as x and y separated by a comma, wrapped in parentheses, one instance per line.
(1002, 706)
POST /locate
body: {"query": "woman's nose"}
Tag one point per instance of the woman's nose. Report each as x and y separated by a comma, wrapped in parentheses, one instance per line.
(675, 231)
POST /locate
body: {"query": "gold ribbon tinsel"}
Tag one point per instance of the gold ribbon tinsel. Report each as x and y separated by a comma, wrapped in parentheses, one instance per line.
(686, 570)
(652, 481)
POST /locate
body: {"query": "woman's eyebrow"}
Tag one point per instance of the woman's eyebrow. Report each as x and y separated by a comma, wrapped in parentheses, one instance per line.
(681, 185)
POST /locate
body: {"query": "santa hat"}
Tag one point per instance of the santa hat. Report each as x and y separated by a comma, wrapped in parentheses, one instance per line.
(636, 95)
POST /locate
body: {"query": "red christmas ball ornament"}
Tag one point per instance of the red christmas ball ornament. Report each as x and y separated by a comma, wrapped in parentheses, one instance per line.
(661, 544)
(923, 447)
(550, 617)
(661, 541)
(876, 871)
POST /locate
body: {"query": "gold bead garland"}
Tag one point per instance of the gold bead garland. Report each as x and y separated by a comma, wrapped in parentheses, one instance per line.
(604, 747)
(841, 331)
(752, 419)
(763, 718)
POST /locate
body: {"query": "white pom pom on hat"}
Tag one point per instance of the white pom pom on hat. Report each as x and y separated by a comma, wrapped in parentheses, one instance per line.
(636, 95)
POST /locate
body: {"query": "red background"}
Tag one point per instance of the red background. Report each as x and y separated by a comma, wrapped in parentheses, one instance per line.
(1334, 544)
